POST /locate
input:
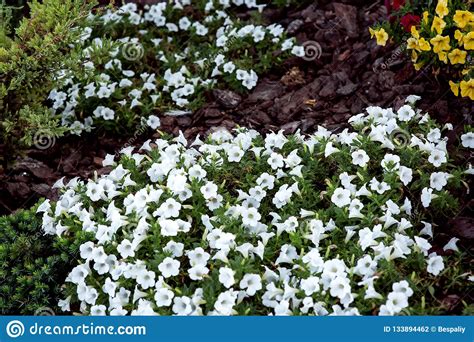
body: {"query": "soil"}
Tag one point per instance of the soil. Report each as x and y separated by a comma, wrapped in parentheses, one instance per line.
(348, 73)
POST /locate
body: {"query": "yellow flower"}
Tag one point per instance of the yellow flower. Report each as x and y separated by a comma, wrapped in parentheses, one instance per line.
(414, 56)
(462, 18)
(469, 41)
(414, 32)
(412, 44)
(443, 57)
(418, 66)
(426, 17)
(381, 35)
(457, 56)
(467, 89)
(458, 35)
(454, 87)
(442, 8)
(424, 45)
(438, 25)
(440, 43)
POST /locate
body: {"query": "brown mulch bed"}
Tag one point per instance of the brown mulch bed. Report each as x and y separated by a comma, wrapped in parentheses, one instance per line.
(351, 73)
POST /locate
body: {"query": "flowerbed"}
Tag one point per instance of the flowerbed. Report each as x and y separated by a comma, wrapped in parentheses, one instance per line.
(246, 224)
(137, 63)
(438, 35)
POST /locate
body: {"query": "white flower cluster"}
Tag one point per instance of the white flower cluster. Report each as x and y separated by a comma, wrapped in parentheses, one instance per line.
(163, 60)
(326, 224)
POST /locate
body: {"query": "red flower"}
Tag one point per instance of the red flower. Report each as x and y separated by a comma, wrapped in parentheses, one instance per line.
(394, 5)
(409, 20)
(397, 4)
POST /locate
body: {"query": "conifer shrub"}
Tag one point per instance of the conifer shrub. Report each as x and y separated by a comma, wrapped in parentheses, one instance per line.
(33, 265)
(30, 56)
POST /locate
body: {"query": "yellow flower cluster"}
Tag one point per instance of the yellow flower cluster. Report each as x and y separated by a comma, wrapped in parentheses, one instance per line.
(447, 34)
(381, 35)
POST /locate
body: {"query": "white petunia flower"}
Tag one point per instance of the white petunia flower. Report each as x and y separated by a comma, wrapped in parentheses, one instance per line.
(163, 297)
(435, 264)
(360, 158)
(341, 197)
(467, 140)
(169, 267)
(226, 276)
(251, 283)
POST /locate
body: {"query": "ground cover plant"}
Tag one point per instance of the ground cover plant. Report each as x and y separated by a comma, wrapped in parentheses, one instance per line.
(251, 224)
(439, 34)
(139, 64)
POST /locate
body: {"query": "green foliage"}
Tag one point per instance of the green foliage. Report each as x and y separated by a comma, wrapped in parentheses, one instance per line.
(32, 265)
(28, 63)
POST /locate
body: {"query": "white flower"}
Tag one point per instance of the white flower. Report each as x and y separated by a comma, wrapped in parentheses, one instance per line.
(251, 283)
(225, 302)
(298, 51)
(435, 264)
(169, 267)
(405, 174)
(379, 187)
(235, 154)
(197, 172)
(266, 181)
(126, 249)
(423, 245)
(175, 248)
(94, 191)
(390, 162)
(163, 297)
(104, 112)
(366, 266)
(250, 217)
(339, 287)
(226, 276)
(467, 140)
(182, 306)
(341, 197)
(330, 149)
(86, 249)
(451, 245)
(438, 180)
(168, 227)
(198, 256)
(170, 208)
(310, 285)
(405, 113)
(403, 287)
(198, 272)
(229, 67)
(396, 302)
(426, 197)
(146, 279)
(153, 122)
(209, 190)
(64, 304)
(437, 157)
(275, 161)
(98, 310)
(360, 157)
(412, 99)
